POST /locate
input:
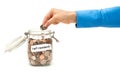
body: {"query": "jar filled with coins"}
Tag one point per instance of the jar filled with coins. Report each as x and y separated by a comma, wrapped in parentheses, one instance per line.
(40, 47)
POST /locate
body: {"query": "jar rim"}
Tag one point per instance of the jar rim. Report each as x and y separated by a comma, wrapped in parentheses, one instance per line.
(39, 31)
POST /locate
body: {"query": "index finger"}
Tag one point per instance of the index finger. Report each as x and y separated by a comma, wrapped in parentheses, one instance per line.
(47, 17)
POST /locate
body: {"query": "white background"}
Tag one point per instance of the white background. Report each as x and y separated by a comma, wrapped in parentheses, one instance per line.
(81, 50)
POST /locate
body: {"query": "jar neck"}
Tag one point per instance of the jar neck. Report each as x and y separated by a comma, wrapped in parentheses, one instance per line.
(40, 34)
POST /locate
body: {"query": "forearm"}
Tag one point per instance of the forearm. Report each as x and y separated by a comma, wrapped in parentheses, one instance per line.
(109, 17)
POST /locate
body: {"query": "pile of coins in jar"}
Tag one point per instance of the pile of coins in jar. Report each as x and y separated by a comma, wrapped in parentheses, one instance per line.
(39, 57)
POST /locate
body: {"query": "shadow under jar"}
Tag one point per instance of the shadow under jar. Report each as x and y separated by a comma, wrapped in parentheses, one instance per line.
(40, 47)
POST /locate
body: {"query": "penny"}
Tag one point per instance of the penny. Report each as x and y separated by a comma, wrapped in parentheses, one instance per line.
(42, 57)
(38, 54)
(49, 41)
(44, 40)
(38, 41)
(42, 27)
(31, 42)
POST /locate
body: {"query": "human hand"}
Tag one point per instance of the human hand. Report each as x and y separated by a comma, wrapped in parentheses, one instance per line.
(56, 16)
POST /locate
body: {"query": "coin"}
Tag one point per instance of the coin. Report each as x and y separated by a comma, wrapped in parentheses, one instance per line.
(49, 58)
(33, 57)
(38, 54)
(47, 53)
(32, 62)
(44, 40)
(42, 57)
(31, 42)
(49, 41)
(43, 62)
(48, 62)
(38, 41)
(42, 27)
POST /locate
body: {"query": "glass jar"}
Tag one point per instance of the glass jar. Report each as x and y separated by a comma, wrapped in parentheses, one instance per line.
(40, 47)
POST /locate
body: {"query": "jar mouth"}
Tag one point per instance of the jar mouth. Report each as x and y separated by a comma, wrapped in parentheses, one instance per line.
(39, 31)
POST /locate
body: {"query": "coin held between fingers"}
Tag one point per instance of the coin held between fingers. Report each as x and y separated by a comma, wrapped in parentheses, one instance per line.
(43, 28)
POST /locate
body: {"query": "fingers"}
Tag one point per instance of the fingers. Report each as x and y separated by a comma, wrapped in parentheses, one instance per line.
(48, 23)
(51, 21)
(47, 17)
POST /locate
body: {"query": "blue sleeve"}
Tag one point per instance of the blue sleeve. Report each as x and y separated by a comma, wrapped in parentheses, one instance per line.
(108, 17)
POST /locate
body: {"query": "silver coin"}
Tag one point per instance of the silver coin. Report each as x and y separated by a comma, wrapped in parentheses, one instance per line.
(43, 62)
(49, 58)
(32, 62)
(33, 58)
(47, 53)
(48, 62)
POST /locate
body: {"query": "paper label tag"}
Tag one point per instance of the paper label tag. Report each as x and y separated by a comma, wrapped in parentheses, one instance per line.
(41, 47)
